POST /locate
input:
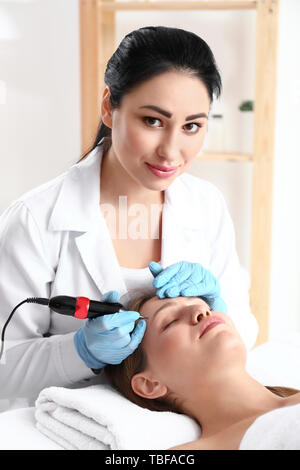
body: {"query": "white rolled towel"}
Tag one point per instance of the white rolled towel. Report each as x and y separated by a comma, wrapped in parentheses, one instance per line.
(99, 418)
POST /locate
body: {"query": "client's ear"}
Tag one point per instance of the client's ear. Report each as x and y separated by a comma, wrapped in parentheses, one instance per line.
(147, 387)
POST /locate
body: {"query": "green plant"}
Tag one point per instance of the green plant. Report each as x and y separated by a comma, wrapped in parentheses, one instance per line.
(246, 105)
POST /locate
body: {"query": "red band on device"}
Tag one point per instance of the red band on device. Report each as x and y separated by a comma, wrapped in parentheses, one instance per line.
(82, 307)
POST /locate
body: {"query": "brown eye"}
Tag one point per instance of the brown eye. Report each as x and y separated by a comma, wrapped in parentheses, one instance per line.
(195, 124)
(149, 120)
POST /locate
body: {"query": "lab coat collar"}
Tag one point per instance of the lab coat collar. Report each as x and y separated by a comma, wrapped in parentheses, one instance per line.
(77, 207)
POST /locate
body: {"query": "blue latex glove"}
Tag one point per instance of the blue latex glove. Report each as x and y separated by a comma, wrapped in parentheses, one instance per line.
(106, 339)
(188, 280)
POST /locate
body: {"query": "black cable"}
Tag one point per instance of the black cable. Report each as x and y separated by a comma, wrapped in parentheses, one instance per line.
(29, 300)
(79, 307)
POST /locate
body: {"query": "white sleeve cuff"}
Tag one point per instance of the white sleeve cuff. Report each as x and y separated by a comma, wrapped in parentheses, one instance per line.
(70, 363)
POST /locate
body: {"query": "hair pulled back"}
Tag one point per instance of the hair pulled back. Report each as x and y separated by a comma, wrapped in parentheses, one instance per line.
(150, 51)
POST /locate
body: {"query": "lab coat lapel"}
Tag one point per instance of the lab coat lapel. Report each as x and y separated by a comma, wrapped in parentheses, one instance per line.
(97, 253)
(78, 209)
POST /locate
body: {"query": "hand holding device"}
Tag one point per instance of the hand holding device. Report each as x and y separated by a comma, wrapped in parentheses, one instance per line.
(108, 339)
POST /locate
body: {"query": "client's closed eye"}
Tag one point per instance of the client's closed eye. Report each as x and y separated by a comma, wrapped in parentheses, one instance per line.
(169, 324)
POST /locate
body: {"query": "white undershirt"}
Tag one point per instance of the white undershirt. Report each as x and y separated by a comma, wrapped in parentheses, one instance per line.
(138, 282)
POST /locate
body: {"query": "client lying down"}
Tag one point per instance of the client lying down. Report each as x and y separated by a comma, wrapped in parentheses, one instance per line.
(193, 361)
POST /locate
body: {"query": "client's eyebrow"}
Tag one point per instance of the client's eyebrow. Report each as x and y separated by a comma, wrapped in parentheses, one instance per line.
(167, 304)
(169, 115)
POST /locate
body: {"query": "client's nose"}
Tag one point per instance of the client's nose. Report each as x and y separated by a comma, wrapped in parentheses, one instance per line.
(201, 312)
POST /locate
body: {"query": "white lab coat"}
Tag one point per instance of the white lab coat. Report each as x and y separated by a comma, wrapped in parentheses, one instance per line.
(54, 241)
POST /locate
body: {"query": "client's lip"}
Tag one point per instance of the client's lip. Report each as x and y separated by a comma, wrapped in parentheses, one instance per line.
(209, 323)
(163, 168)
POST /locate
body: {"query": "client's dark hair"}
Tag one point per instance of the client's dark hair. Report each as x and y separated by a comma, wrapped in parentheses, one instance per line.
(120, 376)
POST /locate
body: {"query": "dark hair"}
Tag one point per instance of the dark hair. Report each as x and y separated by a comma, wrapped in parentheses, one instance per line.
(150, 51)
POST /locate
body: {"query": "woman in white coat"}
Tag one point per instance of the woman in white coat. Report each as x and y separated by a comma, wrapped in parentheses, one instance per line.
(94, 230)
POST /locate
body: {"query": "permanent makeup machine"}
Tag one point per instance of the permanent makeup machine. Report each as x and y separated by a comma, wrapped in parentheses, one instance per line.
(78, 307)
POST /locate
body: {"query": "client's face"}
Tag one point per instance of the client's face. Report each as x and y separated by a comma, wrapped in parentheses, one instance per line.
(186, 344)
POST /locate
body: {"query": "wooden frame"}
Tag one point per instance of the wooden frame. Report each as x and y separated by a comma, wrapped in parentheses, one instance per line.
(97, 28)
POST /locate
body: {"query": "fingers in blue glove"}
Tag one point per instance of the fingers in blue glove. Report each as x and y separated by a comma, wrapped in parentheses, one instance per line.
(106, 341)
(171, 291)
(165, 275)
(111, 296)
(106, 344)
(195, 291)
(155, 268)
(113, 320)
(137, 335)
(177, 272)
(120, 337)
(132, 343)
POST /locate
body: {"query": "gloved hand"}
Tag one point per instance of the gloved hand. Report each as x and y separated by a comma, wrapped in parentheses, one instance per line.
(188, 280)
(106, 339)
